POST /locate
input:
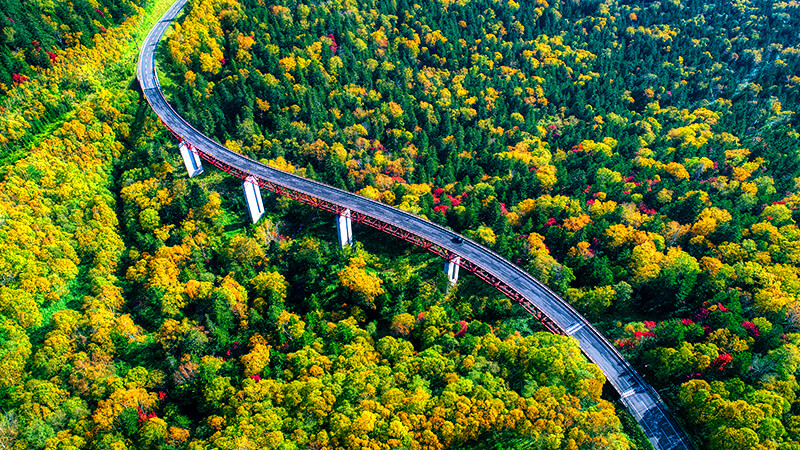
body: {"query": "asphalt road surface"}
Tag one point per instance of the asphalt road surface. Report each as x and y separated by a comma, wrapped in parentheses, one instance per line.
(638, 396)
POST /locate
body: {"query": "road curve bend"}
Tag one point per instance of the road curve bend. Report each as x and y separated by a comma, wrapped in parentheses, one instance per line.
(638, 396)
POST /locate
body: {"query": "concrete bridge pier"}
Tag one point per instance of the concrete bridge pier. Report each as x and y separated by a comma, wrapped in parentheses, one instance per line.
(344, 228)
(252, 194)
(451, 268)
(191, 160)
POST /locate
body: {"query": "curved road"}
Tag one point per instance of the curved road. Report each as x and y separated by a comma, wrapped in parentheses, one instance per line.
(638, 396)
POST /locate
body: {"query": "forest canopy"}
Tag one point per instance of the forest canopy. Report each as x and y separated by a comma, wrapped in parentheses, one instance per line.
(640, 158)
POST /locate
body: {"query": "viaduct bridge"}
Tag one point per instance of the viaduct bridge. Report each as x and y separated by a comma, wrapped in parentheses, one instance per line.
(555, 313)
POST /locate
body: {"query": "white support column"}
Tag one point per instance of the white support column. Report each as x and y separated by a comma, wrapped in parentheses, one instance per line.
(451, 268)
(191, 160)
(344, 227)
(252, 194)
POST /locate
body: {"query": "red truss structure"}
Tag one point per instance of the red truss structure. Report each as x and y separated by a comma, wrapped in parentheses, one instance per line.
(387, 228)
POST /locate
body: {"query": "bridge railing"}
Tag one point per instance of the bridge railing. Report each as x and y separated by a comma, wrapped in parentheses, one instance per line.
(210, 149)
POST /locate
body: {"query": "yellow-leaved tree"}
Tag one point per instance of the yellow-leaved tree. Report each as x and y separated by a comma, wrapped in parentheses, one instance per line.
(357, 279)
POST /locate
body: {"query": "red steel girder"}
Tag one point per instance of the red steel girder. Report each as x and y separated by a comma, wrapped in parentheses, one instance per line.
(387, 228)
(512, 294)
(464, 263)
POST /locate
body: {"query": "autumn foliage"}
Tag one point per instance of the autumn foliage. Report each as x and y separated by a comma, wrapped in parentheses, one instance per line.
(637, 157)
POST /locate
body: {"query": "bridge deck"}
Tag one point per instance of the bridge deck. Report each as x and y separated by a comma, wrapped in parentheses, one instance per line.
(638, 396)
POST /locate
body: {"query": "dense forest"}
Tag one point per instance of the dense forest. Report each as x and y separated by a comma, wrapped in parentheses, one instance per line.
(638, 157)
(641, 159)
